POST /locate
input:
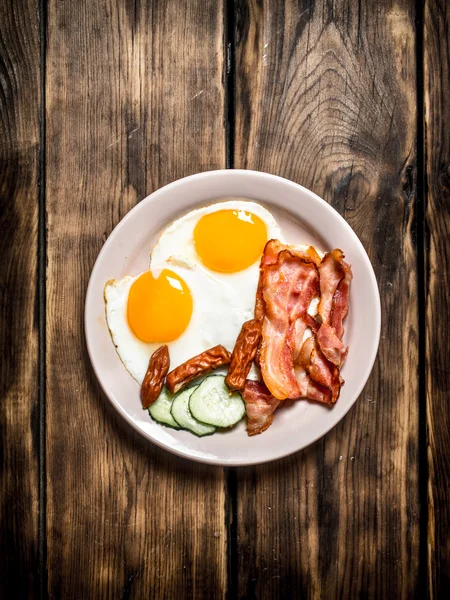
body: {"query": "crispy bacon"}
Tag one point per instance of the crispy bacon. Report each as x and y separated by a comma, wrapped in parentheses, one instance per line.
(287, 289)
(299, 315)
(335, 277)
(270, 257)
(318, 392)
(324, 375)
(289, 278)
(260, 405)
(340, 300)
(309, 388)
(312, 253)
(332, 347)
(331, 272)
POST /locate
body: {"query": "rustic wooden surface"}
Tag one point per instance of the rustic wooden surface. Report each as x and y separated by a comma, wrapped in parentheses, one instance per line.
(100, 104)
(20, 103)
(127, 112)
(331, 104)
(437, 281)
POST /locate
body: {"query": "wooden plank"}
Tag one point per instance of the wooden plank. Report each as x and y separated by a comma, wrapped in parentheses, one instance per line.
(326, 97)
(134, 100)
(437, 258)
(19, 407)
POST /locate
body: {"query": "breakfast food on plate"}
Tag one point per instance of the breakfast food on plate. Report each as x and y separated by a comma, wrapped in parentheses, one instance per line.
(212, 403)
(335, 277)
(244, 354)
(177, 305)
(161, 409)
(183, 416)
(260, 405)
(227, 240)
(288, 283)
(195, 367)
(295, 347)
(154, 378)
(224, 293)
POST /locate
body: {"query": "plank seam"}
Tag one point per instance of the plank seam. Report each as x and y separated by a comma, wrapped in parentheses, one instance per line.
(231, 527)
(230, 123)
(230, 82)
(421, 191)
(42, 300)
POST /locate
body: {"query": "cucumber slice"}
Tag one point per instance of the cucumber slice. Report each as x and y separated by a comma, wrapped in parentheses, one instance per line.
(212, 403)
(183, 416)
(160, 409)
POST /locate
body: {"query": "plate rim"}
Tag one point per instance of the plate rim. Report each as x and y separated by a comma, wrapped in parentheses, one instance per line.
(244, 173)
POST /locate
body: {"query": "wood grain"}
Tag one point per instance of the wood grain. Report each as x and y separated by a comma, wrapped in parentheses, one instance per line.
(437, 259)
(134, 100)
(19, 404)
(326, 97)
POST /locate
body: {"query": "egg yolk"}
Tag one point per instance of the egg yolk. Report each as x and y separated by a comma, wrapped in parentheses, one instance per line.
(159, 310)
(229, 240)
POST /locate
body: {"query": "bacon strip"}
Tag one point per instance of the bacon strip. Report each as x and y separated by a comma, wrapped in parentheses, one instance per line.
(260, 405)
(340, 300)
(332, 347)
(309, 388)
(335, 277)
(325, 378)
(270, 257)
(331, 273)
(287, 289)
(289, 278)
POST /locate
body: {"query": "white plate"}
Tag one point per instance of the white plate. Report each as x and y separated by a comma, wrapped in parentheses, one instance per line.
(304, 217)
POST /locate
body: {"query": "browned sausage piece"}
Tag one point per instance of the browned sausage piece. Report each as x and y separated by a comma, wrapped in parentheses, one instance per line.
(198, 365)
(243, 354)
(154, 378)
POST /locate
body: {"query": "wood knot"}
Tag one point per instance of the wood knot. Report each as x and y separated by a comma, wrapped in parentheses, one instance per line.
(409, 182)
(445, 176)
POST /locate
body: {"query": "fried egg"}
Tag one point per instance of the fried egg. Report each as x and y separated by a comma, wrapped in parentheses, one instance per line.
(178, 304)
(226, 239)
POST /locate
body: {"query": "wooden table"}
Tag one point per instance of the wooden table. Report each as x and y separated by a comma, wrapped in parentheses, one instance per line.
(102, 102)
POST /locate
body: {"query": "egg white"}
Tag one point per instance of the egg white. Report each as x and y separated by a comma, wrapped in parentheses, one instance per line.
(217, 318)
(178, 239)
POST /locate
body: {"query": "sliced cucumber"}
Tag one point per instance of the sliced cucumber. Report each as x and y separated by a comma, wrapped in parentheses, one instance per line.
(183, 416)
(212, 403)
(160, 409)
